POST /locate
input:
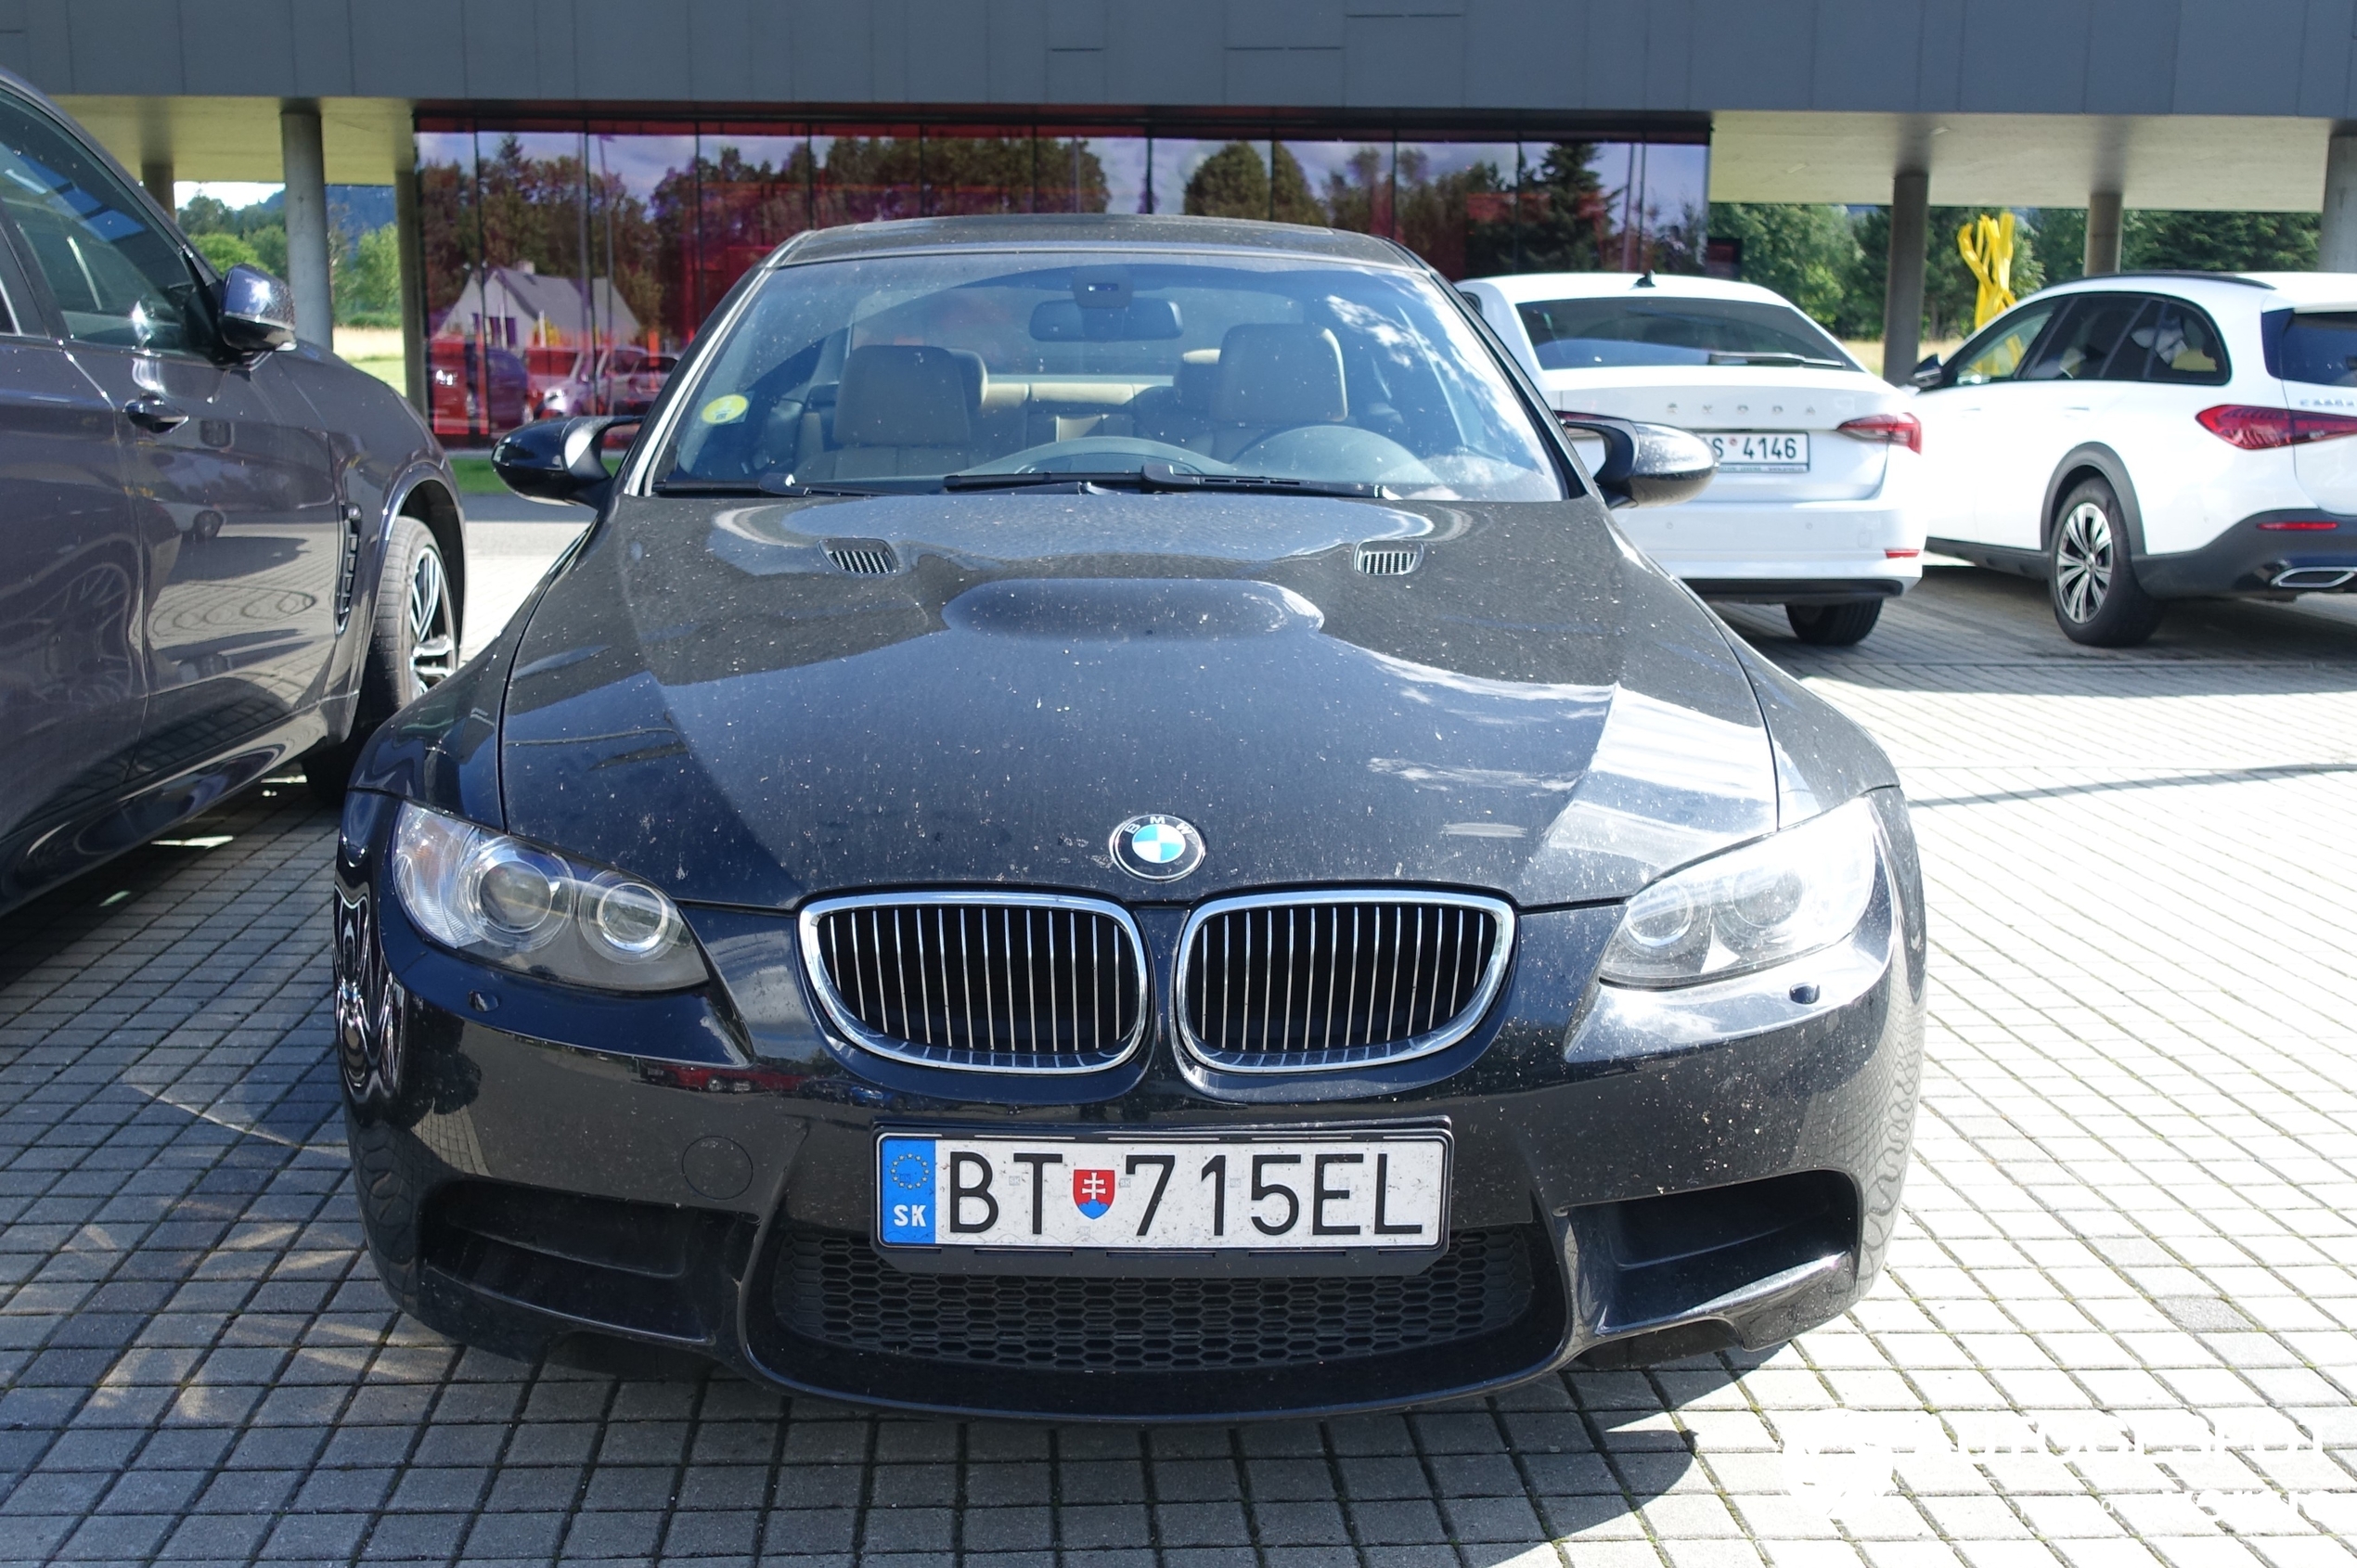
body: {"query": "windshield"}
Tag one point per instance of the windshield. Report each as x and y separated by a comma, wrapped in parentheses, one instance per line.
(1595, 333)
(896, 372)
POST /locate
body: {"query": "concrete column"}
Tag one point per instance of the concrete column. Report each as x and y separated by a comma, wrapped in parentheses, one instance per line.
(2103, 233)
(409, 238)
(1902, 310)
(2337, 246)
(305, 164)
(156, 174)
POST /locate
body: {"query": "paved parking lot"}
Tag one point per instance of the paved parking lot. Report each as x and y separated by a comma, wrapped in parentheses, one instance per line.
(2119, 1325)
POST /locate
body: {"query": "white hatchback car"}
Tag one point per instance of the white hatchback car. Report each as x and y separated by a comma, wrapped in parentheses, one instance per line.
(1813, 507)
(2138, 438)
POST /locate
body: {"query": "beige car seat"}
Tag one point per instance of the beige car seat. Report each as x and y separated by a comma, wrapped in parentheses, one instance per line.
(901, 410)
(1275, 375)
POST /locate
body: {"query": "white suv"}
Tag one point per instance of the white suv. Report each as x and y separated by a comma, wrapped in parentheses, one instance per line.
(2138, 438)
(1812, 506)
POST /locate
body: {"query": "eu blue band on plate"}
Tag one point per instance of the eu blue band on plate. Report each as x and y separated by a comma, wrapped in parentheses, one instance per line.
(905, 1189)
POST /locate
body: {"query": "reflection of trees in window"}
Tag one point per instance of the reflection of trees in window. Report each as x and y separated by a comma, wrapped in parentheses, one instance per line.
(1462, 221)
(1566, 217)
(738, 211)
(515, 211)
(1072, 178)
(1235, 182)
(1359, 194)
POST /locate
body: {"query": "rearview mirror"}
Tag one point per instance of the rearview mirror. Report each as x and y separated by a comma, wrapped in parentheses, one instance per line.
(1140, 321)
(1646, 464)
(557, 460)
(1927, 373)
(257, 311)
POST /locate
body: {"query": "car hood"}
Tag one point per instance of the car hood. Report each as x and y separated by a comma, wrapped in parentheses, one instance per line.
(706, 697)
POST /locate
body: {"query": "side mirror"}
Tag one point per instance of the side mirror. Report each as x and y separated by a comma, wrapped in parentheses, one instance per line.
(257, 311)
(1646, 464)
(1927, 373)
(560, 461)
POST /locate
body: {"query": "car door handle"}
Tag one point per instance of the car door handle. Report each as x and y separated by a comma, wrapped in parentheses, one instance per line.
(154, 415)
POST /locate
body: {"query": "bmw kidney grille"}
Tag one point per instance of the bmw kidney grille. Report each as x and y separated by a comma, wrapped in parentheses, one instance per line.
(980, 981)
(1315, 983)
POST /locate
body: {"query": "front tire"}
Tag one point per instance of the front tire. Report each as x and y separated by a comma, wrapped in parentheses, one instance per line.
(2089, 575)
(413, 647)
(1833, 625)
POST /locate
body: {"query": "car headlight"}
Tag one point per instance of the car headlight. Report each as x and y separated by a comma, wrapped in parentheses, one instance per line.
(513, 904)
(1790, 894)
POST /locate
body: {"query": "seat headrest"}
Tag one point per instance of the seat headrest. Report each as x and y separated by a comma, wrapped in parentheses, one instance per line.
(977, 374)
(1280, 374)
(1196, 379)
(900, 394)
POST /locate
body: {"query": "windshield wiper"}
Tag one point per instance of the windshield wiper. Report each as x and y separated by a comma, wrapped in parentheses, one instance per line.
(1775, 357)
(768, 484)
(784, 484)
(703, 487)
(1165, 477)
(1125, 479)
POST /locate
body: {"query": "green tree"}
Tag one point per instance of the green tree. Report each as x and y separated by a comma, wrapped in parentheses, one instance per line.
(1809, 254)
(367, 287)
(269, 249)
(1290, 198)
(1950, 289)
(2159, 242)
(1566, 221)
(1236, 182)
(225, 250)
(1231, 183)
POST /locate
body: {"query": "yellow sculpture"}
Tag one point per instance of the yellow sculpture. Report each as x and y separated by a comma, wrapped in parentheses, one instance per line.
(1988, 247)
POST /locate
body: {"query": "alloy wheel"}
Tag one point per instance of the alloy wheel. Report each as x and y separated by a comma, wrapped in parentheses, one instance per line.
(433, 638)
(2083, 561)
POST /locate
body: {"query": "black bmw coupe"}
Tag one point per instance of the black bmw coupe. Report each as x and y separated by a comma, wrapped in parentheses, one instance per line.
(1104, 826)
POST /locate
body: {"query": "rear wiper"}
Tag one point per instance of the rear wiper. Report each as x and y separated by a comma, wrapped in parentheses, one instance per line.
(1165, 477)
(1777, 357)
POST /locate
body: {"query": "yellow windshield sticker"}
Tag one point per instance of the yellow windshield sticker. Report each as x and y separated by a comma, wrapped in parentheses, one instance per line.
(725, 410)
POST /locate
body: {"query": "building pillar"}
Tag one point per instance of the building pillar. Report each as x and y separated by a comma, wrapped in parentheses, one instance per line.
(2337, 244)
(410, 242)
(2103, 233)
(305, 164)
(1902, 311)
(156, 174)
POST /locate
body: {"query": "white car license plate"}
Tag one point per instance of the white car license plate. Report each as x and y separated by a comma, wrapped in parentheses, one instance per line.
(1242, 1193)
(1760, 452)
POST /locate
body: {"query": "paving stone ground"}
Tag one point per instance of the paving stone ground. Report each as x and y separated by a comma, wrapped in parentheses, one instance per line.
(2119, 1324)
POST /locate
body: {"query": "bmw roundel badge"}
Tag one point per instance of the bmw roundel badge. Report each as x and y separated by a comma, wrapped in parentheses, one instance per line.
(1159, 849)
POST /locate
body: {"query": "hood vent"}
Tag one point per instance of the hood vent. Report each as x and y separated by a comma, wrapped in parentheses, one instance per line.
(863, 558)
(1388, 559)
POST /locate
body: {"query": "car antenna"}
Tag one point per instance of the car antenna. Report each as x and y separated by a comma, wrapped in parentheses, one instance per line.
(1647, 281)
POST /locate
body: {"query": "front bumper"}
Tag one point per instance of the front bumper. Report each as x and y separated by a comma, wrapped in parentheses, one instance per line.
(1638, 1176)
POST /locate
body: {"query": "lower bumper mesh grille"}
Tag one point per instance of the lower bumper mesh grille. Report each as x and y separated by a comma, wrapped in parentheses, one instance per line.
(834, 1288)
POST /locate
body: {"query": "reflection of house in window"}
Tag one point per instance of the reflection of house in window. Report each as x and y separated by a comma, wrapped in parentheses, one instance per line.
(520, 307)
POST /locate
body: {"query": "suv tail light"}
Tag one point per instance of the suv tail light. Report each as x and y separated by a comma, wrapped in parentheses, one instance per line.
(2260, 430)
(1899, 429)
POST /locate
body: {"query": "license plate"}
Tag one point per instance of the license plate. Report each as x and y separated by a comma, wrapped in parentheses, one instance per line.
(1760, 452)
(1216, 1193)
